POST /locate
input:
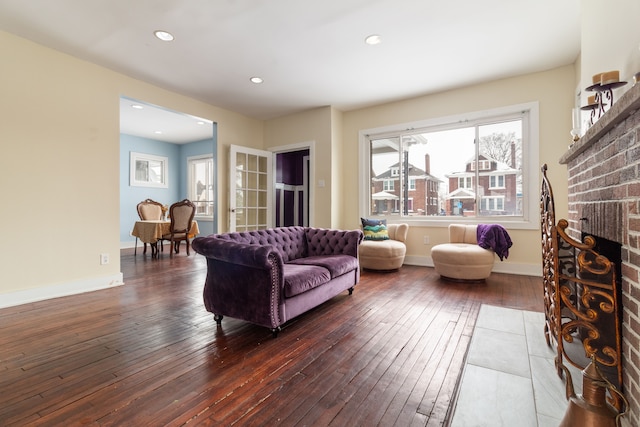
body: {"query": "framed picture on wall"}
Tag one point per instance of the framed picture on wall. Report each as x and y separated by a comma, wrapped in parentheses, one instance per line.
(148, 170)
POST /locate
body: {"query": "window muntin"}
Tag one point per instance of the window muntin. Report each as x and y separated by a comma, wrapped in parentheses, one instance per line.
(496, 181)
(465, 181)
(201, 185)
(444, 164)
(492, 204)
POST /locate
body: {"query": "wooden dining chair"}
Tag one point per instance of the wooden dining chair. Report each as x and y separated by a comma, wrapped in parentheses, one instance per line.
(181, 214)
(148, 210)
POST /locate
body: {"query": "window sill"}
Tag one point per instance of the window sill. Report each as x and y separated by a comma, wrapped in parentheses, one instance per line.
(444, 221)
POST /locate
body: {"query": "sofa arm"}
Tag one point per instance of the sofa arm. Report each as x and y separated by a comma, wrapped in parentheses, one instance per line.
(322, 241)
(255, 256)
(243, 281)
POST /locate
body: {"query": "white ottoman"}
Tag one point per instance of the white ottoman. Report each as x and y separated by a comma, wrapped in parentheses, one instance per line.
(462, 258)
(462, 261)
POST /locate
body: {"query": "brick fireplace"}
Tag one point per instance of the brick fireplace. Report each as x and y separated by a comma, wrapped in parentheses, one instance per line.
(604, 201)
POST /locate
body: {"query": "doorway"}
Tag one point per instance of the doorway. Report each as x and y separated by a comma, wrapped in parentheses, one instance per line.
(292, 188)
(294, 172)
(151, 130)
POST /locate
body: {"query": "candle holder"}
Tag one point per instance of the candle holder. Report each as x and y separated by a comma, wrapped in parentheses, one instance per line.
(603, 92)
(595, 109)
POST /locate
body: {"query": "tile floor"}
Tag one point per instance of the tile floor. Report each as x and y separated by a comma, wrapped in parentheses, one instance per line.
(509, 376)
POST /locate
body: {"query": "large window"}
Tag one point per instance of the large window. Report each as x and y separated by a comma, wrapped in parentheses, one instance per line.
(477, 166)
(201, 176)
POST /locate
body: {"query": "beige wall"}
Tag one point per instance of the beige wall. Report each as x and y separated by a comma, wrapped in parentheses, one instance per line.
(313, 126)
(610, 39)
(59, 169)
(554, 90)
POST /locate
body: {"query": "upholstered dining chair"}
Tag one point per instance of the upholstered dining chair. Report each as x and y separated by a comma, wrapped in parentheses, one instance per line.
(181, 214)
(148, 209)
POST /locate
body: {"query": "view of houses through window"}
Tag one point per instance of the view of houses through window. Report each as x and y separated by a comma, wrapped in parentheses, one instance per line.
(444, 172)
(201, 176)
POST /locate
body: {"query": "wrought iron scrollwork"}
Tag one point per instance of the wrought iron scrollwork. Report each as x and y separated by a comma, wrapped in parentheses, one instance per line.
(582, 312)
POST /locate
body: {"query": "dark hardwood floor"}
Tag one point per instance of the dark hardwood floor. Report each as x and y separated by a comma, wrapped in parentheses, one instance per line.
(149, 354)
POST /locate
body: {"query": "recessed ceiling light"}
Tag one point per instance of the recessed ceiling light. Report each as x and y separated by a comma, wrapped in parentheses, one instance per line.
(165, 36)
(373, 39)
(256, 80)
(137, 106)
(158, 132)
(200, 122)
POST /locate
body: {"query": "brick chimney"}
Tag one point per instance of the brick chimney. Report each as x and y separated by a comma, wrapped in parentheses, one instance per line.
(604, 200)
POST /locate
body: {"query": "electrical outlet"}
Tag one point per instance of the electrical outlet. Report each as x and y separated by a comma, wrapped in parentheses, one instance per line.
(104, 259)
(426, 240)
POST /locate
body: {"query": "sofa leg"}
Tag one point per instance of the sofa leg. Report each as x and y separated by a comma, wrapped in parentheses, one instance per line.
(274, 331)
(218, 318)
(351, 290)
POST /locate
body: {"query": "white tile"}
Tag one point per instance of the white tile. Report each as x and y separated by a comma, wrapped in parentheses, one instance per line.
(498, 350)
(500, 319)
(536, 341)
(510, 378)
(492, 398)
(548, 388)
(536, 317)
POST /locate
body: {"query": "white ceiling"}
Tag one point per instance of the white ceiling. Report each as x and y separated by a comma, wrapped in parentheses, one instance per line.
(158, 123)
(310, 53)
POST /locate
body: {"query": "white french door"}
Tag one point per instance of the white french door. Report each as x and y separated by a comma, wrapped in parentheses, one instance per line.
(250, 189)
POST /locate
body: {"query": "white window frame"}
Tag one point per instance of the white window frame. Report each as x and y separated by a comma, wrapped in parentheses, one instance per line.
(530, 167)
(190, 187)
(495, 177)
(484, 201)
(412, 184)
(465, 182)
(388, 185)
(140, 159)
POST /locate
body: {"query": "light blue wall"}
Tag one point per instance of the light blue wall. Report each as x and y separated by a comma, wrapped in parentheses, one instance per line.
(177, 190)
(131, 196)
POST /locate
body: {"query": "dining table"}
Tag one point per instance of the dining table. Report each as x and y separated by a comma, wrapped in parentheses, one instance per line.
(150, 231)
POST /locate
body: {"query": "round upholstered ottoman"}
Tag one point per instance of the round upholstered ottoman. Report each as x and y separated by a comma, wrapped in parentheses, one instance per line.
(462, 261)
(382, 254)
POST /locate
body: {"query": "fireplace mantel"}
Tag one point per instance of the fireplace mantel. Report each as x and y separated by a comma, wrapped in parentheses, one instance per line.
(620, 111)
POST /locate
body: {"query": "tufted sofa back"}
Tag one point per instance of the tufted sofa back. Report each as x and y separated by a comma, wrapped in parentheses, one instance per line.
(300, 242)
(290, 242)
(321, 241)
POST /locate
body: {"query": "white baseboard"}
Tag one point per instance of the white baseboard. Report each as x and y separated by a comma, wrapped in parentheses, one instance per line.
(62, 290)
(499, 267)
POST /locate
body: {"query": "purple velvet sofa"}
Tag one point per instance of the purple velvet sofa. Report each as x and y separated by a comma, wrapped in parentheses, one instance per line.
(268, 277)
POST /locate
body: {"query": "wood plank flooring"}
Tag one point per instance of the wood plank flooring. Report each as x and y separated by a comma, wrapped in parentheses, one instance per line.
(148, 353)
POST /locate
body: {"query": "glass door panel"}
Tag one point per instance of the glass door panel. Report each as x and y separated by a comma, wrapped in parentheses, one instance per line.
(251, 198)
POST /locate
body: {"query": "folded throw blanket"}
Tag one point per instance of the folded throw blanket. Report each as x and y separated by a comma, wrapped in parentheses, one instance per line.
(494, 236)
